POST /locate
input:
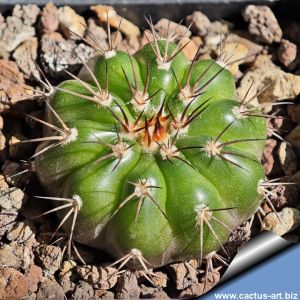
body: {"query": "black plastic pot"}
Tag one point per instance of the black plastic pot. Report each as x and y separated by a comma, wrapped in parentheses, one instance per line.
(135, 10)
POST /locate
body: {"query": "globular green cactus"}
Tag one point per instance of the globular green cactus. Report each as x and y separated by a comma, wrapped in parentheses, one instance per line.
(152, 154)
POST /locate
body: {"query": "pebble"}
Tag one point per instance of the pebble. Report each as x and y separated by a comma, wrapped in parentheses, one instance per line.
(282, 222)
(83, 291)
(27, 13)
(96, 35)
(200, 23)
(241, 50)
(16, 255)
(7, 218)
(262, 23)
(287, 52)
(286, 85)
(25, 56)
(14, 33)
(167, 27)
(184, 274)
(58, 54)
(13, 284)
(11, 198)
(153, 293)
(49, 258)
(127, 286)
(287, 158)
(72, 25)
(34, 276)
(23, 233)
(50, 289)
(12, 85)
(126, 27)
(103, 278)
(49, 18)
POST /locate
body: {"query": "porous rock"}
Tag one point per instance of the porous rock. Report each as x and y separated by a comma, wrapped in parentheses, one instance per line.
(167, 27)
(262, 23)
(12, 85)
(199, 23)
(27, 13)
(59, 54)
(34, 276)
(13, 284)
(282, 85)
(14, 33)
(184, 274)
(282, 222)
(72, 24)
(25, 55)
(127, 286)
(50, 289)
(49, 258)
(108, 14)
(287, 52)
(49, 18)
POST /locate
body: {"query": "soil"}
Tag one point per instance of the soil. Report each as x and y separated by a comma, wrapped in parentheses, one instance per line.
(47, 41)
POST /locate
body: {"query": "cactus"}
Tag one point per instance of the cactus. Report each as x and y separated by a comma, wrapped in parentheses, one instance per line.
(152, 156)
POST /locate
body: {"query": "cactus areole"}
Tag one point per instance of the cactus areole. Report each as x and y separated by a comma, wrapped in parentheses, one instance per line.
(155, 155)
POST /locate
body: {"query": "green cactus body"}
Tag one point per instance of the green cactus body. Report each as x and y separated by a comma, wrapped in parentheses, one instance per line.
(157, 152)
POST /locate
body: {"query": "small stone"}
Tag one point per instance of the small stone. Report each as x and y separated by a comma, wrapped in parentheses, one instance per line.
(190, 50)
(96, 35)
(25, 55)
(13, 284)
(200, 23)
(160, 279)
(262, 23)
(59, 54)
(282, 222)
(104, 294)
(34, 276)
(7, 218)
(15, 33)
(88, 273)
(153, 293)
(284, 85)
(12, 85)
(49, 258)
(216, 33)
(287, 52)
(23, 233)
(287, 158)
(27, 13)
(16, 256)
(127, 286)
(192, 291)
(242, 51)
(104, 278)
(167, 27)
(11, 198)
(50, 289)
(66, 274)
(49, 18)
(83, 291)
(184, 274)
(268, 157)
(73, 25)
(114, 20)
